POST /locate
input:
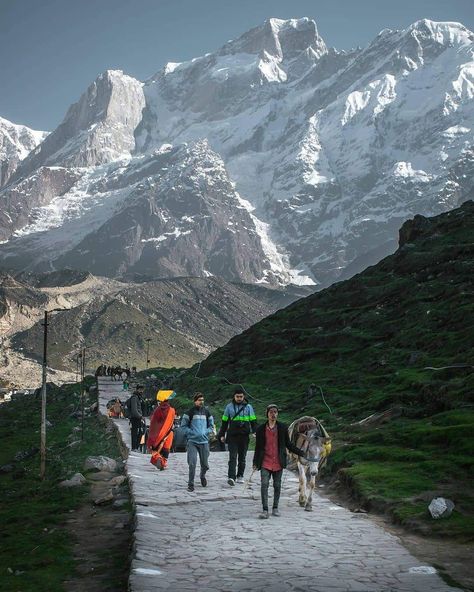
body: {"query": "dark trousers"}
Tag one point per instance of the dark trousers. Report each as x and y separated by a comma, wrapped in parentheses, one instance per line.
(265, 475)
(238, 445)
(135, 429)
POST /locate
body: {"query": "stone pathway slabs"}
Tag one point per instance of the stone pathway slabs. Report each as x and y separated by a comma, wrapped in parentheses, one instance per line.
(212, 539)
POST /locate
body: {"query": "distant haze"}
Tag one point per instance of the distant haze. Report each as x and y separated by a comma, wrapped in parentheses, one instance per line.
(52, 50)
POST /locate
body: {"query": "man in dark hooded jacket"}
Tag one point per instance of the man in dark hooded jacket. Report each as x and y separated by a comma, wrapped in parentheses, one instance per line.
(136, 414)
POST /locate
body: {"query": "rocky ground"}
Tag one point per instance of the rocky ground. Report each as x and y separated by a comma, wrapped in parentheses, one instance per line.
(23, 372)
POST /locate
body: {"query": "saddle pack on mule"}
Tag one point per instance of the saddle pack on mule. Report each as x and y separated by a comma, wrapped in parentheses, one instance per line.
(299, 429)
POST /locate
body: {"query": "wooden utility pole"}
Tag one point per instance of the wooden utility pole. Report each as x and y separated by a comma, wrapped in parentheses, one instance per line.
(43, 399)
(147, 351)
(83, 373)
(43, 394)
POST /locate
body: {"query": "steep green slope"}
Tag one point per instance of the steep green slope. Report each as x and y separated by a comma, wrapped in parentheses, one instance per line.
(398, 340)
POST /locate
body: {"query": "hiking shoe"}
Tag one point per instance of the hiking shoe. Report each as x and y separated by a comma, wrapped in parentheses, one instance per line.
(276, 512)
(263, 515)
(230, 481)
(203, 481)
(191, 487)
(239, 480)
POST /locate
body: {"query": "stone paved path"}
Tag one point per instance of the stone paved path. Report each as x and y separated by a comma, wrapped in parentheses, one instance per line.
(212, 539)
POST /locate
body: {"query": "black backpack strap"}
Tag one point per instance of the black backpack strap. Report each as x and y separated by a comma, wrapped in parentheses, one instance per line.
(238, 412)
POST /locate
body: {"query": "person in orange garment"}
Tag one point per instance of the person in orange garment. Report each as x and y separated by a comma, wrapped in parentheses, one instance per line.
(160, 435)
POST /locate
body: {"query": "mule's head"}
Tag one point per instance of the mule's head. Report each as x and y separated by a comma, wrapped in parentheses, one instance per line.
(315, 450)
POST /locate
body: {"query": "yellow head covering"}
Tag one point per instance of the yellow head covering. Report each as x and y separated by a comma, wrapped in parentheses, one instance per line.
(164, 395)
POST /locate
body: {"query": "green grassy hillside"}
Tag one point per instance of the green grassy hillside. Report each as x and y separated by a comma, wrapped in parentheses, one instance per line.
(397, 338)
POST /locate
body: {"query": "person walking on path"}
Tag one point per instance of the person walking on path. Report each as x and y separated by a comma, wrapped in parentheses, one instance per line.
(198, 425)
(238, 422)
(136, 414)
(160, 435)
(270, 458)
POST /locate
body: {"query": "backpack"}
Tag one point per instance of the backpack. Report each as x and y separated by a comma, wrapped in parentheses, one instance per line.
(127, 408)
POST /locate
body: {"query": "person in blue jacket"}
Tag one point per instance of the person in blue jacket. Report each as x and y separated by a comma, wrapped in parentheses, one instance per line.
(238, 422)
(198, 425)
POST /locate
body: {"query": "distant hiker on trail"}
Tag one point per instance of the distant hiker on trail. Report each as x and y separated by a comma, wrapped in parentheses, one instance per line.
(198, 425)
(136, 414)
(238, 421)
(160, 436)
(272, 440)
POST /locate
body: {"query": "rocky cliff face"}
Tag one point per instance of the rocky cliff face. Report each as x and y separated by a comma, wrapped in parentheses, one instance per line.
(96, 130)
(274, 159)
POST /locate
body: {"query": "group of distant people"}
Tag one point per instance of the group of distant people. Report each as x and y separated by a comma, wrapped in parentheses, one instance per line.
(239, 423)
(116, 372)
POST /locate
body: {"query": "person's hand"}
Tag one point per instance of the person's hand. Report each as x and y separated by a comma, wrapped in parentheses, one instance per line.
(222, 439)
(254, 435)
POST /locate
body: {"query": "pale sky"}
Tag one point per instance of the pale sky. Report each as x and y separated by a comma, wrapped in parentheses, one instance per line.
(51, 50)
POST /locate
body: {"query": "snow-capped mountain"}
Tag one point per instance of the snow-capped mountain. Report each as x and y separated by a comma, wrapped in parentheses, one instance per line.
(16, 142)
(274, 159)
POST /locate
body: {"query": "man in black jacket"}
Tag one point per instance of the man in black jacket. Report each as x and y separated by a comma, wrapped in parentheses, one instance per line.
(238, 422)
(270, 457)
(137, 405)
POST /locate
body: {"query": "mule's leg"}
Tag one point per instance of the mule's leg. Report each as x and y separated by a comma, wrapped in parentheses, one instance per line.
(309, 501)
(302, 488)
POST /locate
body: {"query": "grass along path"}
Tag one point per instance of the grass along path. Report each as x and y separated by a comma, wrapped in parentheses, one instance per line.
(39, 548)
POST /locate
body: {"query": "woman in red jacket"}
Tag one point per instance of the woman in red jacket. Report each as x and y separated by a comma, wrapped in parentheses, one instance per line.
(160, 435)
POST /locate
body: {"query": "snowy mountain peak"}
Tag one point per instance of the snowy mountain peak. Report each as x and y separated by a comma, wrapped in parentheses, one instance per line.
(99, 128)
(280, 38)
(444, 33)
(16, 142)
(110, 96)
(272, 159)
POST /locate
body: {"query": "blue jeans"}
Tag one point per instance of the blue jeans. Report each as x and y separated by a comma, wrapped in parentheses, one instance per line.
(193, 451)
(265, 475)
